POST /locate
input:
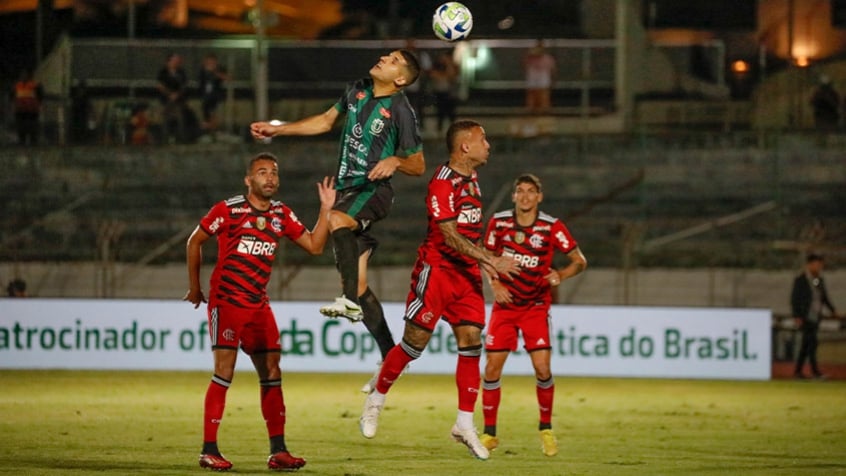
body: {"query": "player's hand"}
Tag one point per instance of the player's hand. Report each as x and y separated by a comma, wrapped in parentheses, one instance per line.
(554, 278)
(326, 191)
(501, 294)
(261, 130)
(195, 297)
(384, 169)
(506, 266)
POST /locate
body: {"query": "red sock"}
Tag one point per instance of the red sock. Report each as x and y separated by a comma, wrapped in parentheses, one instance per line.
(213, 408)
(394, 364)
(491, 395)
(273, 407)
(467, 380)
(546, 391)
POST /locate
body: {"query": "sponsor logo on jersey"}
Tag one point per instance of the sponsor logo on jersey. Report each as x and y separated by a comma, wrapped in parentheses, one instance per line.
(470, 215)
(541, 228)
(376, 126)
(240, 210)
(503, 224)
(261, 223)
(249, 245)
(215, 224)
(384, 113)
(541, 341)
(565, 243)
(360, 95)
(525, 261)
(356, 130)
(436, 208)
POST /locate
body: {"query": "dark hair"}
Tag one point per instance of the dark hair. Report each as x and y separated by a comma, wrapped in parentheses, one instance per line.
(412, 65)
(455, 129)
(16, 286)
(530, 179)
(261, 156)
(813, 256)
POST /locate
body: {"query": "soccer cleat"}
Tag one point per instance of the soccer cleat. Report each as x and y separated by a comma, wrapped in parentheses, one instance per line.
(471, 441)
(284, 461)
(489, 442)
(215, 462)
(343, 307)
(549, 444)
(369, 420)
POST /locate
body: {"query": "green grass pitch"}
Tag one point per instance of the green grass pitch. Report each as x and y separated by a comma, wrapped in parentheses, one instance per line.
(120, 423)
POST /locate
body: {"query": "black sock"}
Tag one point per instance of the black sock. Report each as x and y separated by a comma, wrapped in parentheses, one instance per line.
(346, 257)
(277, 444)
(490, 430)
(210, 448)
(544, 426)
(374, 321)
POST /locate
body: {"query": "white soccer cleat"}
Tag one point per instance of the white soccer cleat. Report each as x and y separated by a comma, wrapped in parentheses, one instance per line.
(471, 441)
(343, 307)
(369, 420)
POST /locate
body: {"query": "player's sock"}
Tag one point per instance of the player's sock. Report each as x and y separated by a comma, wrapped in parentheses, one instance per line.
(346, 255)
(213, 408)
(277, 444)
(467, 376)
(394, 363)
(491, 395)
(464, 420)
(273, 407)
(545, 391)
(210, 448)
(374, 321)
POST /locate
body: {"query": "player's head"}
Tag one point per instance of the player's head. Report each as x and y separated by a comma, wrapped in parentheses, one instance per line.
(262, 178)
(814, 262)
(399, 67)
(527, 192)
(467, 139)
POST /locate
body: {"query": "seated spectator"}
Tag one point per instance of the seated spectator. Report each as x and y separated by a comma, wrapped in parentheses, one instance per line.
(16, 288)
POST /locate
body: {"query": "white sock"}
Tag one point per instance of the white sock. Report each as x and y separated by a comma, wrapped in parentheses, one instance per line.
(464, 421)
(376, 397)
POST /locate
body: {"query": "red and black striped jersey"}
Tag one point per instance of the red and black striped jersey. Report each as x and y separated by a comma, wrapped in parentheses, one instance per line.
(451, 196)
(533, 247)
(247, 239)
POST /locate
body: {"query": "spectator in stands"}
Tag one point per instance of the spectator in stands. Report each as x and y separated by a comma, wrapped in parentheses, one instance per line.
(26, 95)
(16, 288)
(211, 80)
(418, 91)
(172, 94)
(540, 69)
(380, 137)
(807, 300)
(83, 121)
(826, 104)
(248, 229)
(445, 87)
(139, 126)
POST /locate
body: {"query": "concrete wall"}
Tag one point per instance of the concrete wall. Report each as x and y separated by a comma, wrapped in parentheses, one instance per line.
(597, 286)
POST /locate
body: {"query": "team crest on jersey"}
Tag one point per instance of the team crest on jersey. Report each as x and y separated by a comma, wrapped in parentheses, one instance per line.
(376, 126)
(228, 334)
(536, 241)
(385, 113)
(276, 224)
(261, 223)
(427, 317)
(519, 237)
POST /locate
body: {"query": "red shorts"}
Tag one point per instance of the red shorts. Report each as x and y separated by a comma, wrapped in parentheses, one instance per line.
(452, 294)
(532, 322)
(254, 330)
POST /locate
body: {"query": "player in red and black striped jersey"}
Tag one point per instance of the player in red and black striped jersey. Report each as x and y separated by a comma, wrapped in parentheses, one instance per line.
(380, 137)
(446, 282)
(248, 229)
(531, 237)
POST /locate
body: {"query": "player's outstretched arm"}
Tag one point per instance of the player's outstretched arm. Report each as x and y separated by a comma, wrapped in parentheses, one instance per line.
(312, 125)
(315, 240)
(194, 252)
(413, 165)
(501, 265)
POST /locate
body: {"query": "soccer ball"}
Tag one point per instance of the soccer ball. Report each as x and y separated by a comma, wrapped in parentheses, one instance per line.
(452, 21)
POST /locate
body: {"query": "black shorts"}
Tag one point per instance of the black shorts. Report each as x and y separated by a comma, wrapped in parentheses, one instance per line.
(366, 204)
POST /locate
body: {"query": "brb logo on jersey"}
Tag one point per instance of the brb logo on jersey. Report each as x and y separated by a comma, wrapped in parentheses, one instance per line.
(251, 246)
(525, 261)
(470, 215)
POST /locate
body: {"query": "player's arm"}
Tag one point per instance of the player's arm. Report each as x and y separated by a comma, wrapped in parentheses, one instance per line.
(194, 254)
(413, 165)
(312, 125)
(313, 241)
(578, 263)
(499, 265)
